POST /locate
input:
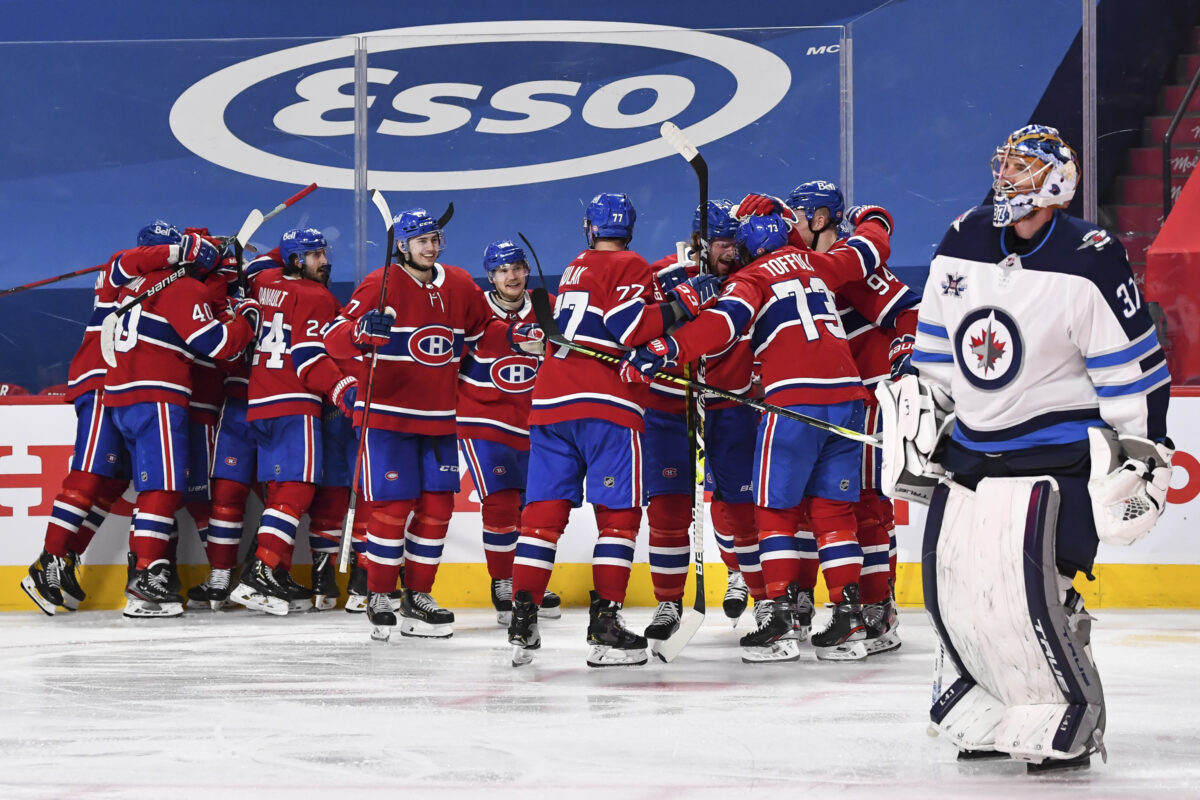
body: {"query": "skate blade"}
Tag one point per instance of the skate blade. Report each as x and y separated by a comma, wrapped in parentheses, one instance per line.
(144, 609)
(299, 605)
(1057, 765)
(504, 618)
(734, 614)
(521, 655)
(980, 755)
(605, 656)
(71, 603)
(258, 602)
(884, 644)
(781, 651)
(425, 630)
(324, 602)
(45, 605)
(802, 633)
(850, 651)
(220, 605)
(381, 633)
(357, 604)
(550, 613)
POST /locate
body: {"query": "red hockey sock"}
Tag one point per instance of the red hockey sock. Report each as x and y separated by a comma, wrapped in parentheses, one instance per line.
(724, 531)
(225, 522)
(111, 490)
(542, 523)
(71, 508)
(837, 543)
(385, 543)
(425, 540)
(153, 525)
(287, 501)
(670, 516)
(200, 511)
(612, 557)
(326, 514)
(501, 518)
(874, 540)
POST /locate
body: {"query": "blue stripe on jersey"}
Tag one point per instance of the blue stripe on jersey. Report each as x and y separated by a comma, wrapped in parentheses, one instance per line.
(925, 357)
(1031, 426)
(932, 330)
(621, 321)
(784, 310)
(1063, 433)
(397, 346)
(1139, 386)
(1131, 353)
(737, 312)
(209, 339)
(865, 252)
(159, 331)
(305, 353)
(907, 299)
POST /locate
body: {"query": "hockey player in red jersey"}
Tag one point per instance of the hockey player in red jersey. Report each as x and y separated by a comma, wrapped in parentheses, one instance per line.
(729, 453)
(586, 425)
(410, 461)
(783, 298)
(148, 393)
(879, 315)
(100, 468)
(495, 388)
(290, 377)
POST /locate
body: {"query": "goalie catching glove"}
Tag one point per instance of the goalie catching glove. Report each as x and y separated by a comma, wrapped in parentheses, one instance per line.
(1129, 482)
(915, 417)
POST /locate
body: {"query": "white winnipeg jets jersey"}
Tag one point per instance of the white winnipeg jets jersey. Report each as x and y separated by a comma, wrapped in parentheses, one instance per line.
(1037, 348)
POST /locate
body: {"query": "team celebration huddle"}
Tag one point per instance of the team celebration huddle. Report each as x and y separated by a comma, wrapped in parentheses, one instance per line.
(772, 360)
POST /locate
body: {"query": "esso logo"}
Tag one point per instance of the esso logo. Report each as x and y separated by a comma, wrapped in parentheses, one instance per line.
(514, 374)
(424, 81)
(432, 345)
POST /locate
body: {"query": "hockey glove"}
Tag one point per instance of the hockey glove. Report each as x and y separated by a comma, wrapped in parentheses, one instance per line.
(640, 363)
(696, 294)
(857, 215)
(1128, 486)
(197, 251)
(900, 355)
(344, 393)
(762, 204)
(670, 277)
(526, 337)
(374, 329)
(251, 311)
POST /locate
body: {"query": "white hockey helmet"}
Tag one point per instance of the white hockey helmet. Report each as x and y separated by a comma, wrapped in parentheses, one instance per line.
(1034, 168)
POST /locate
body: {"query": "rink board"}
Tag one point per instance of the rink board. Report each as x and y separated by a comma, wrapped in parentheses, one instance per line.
(36, 439)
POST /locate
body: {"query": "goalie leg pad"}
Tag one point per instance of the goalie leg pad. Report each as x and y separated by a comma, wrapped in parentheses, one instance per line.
(1033, 659)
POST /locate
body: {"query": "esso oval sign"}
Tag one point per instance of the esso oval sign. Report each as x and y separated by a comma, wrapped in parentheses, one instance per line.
(432, 345)
(321, 103)
(514, 374)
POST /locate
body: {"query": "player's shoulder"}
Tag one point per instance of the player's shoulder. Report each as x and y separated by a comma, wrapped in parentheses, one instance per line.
(1086, 250)
(665, 261)
(969, 230)
(457, 276)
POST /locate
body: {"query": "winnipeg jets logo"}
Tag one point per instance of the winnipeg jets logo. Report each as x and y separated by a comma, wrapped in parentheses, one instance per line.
(957, 224)
(989, 348)
(1096, 238)
(954, 285)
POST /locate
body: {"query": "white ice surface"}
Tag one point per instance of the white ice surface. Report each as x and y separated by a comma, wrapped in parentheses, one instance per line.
(241, 705)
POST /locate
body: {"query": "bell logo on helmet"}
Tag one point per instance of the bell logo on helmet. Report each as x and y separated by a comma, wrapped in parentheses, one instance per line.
(415, 106)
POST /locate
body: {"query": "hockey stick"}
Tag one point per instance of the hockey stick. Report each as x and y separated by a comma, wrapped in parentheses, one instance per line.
(536, 260)
(55, 279)
(938, 661)
(110, 328)
(691, 623)
(348, 526)
(446, 216)
(545, 319)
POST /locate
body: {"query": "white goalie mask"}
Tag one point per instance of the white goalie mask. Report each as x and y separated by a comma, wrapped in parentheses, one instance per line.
(1034, 168)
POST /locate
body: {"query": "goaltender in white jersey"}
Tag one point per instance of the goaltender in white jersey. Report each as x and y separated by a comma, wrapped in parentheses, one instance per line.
(1040, 415)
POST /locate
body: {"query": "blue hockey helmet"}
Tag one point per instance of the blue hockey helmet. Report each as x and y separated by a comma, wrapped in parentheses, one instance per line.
(609, 216)
(158, 232)
(812, 195)
(721, 222)
(1034, 168)
(300, 241)
(502, 252)
(415, 222)
(759, 235)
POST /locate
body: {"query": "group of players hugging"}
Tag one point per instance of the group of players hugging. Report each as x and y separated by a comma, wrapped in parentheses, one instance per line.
(1023, 397)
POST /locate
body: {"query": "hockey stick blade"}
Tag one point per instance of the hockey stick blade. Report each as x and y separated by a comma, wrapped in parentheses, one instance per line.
(381, 203)
(537, 261)
(674, 644)
(545, 320)
(249, 227)
(446, 216)
(670, 131)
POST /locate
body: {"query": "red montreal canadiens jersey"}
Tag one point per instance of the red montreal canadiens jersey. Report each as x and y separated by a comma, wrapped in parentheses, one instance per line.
(495, 385)
(730, 369)
(784, 300)
(416, 379)
(159, 337)
(875, 311)
(605, 301)
(87, 369)
(291, 372)
(237, 371)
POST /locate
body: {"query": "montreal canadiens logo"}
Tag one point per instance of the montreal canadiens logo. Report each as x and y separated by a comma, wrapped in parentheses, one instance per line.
(514, 374)
(499, 470)
(990, 349)
(432, 345)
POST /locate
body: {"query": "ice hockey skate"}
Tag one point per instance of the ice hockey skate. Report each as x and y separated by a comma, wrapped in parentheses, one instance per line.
(613, 645)
(72, 592)
(802, 621)
(324, 583)
(844, 637)
(882, 621)
(299, 596)
(775, 638)
(665, 622)
(43, 584)
(381, 616)
(523, 632)
(259, 591)
(736, 596)
(149, 593)
(356, 590)
(420, 615)
(502, 601)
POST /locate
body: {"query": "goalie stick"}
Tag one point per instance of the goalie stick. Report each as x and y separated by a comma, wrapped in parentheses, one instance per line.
(545, 320)
(110, 328)
(348, 525)
(669, 648)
